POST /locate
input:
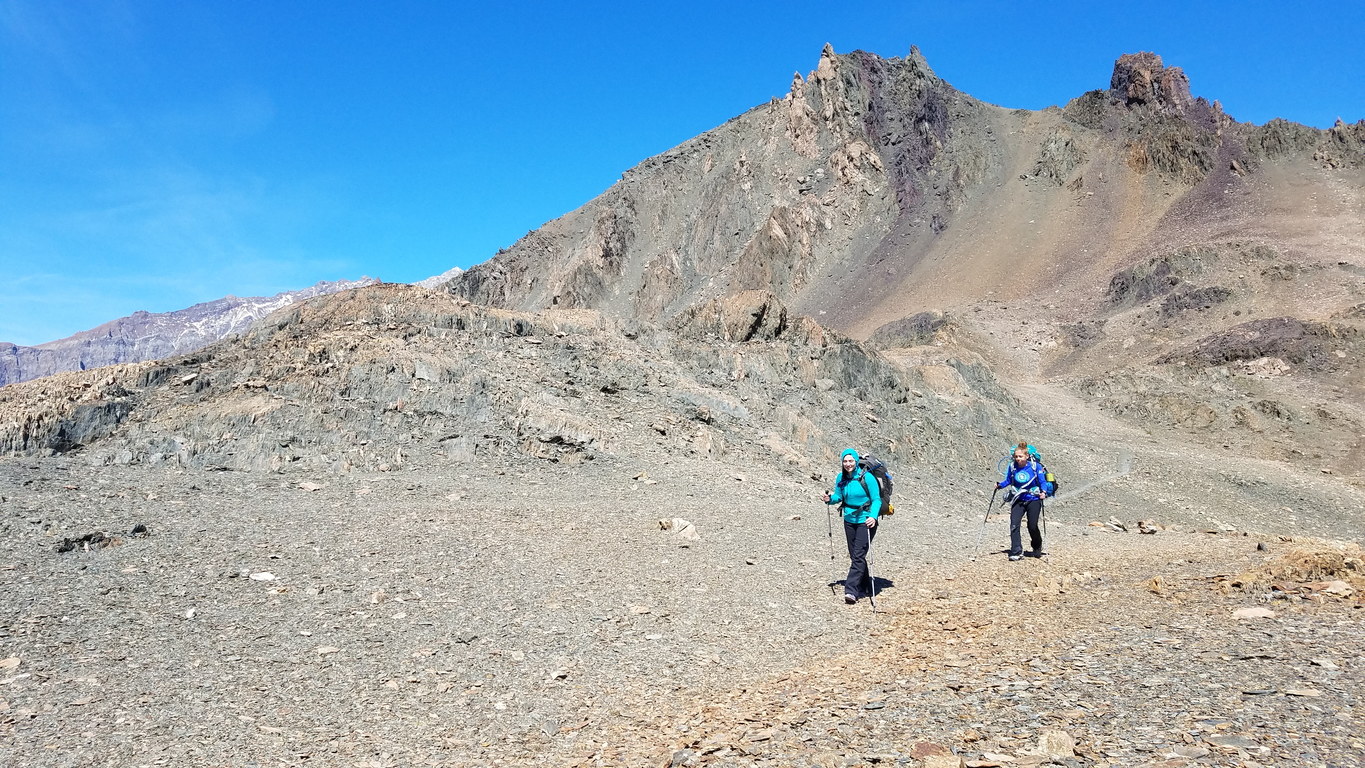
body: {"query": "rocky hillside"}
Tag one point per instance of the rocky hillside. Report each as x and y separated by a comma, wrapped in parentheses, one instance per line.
(151, 336)
(1138, 247)
(371, 377)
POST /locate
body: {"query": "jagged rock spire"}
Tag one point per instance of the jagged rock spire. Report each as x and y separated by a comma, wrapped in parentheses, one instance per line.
(1142, 78)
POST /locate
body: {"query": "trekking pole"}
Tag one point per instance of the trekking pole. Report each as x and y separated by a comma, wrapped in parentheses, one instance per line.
(829, 523)
(982, 531)
(871, 593)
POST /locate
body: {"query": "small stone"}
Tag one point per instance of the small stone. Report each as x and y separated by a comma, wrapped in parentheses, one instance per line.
(324, 650)
(310, 486)
(1308, 692)
(9, 664)
(262, 576)
(1339, 588)
(1057, 744)
(687, 531)
(1253, 613)
(1325, 664)
(1232, 741)
(923, 749)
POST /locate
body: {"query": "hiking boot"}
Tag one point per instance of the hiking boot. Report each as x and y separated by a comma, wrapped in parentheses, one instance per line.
(1035, 553)
(1015, 558)
(849, 599)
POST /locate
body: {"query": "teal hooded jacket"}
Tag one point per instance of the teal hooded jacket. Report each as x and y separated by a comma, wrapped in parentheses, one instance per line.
(859, 500)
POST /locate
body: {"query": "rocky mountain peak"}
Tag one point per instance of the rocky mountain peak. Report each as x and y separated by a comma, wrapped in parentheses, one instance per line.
(1142, 78)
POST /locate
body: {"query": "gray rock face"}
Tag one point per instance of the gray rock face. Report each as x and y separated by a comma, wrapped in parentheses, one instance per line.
(151, 336)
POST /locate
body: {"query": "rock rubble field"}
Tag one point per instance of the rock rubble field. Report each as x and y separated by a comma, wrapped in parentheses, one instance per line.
(537, 614)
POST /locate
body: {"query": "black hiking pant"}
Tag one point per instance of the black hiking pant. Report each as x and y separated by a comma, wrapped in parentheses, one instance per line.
(859, 537)
(1018, 511)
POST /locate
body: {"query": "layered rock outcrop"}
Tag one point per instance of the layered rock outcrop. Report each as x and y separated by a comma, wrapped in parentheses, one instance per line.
(372, 377)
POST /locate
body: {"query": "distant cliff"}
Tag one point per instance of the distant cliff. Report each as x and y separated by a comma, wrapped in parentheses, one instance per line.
(150, 336)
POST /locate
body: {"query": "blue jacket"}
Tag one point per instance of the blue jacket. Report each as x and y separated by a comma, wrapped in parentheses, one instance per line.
(1030, 479)
(860, 496)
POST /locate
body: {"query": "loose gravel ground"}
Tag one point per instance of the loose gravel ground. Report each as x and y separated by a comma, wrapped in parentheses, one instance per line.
(539, 615)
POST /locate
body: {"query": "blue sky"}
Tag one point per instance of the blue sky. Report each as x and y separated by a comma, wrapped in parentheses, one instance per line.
(155, 154)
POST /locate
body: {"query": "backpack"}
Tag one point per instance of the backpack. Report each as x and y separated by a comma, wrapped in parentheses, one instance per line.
(1051, 483)
(873, 467)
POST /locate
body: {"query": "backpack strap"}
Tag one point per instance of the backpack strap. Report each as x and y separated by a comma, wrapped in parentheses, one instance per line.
(866, 492)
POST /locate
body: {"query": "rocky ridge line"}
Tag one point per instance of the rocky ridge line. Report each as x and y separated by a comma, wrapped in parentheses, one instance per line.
(151, 336)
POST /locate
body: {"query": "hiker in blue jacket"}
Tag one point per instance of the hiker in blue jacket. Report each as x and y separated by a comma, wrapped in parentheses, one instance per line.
(1028, 478)
(857, 493)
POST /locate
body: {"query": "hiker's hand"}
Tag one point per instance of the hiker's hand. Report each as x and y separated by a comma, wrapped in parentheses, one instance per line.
(871, 522)
(826, 497)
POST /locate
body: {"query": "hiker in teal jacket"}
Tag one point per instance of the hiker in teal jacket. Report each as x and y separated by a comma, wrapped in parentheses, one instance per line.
(859, 496)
